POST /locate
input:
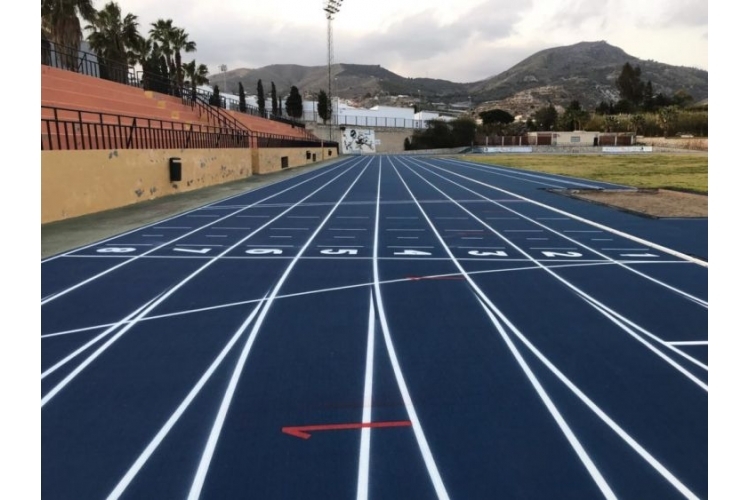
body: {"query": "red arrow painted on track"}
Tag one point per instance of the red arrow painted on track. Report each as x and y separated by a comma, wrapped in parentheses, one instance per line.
(303, 431)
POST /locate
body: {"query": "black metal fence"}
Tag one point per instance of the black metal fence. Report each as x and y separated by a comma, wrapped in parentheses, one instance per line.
(66, 129)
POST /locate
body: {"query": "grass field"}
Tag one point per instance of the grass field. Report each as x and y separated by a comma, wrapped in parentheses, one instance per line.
(683, 172)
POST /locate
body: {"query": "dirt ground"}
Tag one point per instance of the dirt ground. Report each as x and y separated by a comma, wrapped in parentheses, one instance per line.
(650, 202)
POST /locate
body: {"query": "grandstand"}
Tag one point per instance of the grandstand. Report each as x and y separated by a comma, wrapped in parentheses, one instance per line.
(133, 136)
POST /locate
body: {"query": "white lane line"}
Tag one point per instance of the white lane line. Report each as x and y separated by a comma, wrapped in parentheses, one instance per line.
(172, 420)
(410, 246)
(537, 239)
(232, 228)
(195, 215)
(418, 230)
(686, 295)
(344, 237)
(552, 218)
(487, 303)
(145, 311)
(173, 227)
(424, 447)
(471, 238)
(451, 218)
(614, 231)
(213, 438)
(549, 404)
(279, 236)
(152, 235)
(626, 249)
(501, 218)
(196, 245)
(405, 218)
(650, 459)
(363, 477)
(216, 236)
(523, 230)
(339, 288)
(582, 231)
(352, 217)
(688, 342)
(96, 339)
(407, 237)
(606, 311)
(342, 246)
(602, 239)
(253, 216)
(136, 257)
(346, 229)
(303, 217)
(290, 229)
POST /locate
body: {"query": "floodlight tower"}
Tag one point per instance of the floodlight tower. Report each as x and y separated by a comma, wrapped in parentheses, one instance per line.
(331, 8)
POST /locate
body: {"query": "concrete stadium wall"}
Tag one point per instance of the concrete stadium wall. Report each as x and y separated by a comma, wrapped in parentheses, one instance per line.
(391, 139)
(270, 159)
(76, 183)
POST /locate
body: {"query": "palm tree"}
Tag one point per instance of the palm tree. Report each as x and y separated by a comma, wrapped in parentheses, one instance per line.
(161, 32)
(60, 19)
(113, 39)
(179, 40)
(195, 75)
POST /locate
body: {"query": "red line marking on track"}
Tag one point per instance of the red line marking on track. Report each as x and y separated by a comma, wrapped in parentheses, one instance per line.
(303, 431)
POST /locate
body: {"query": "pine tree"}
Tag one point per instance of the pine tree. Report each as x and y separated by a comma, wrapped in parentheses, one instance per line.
(274, 101)
(324, 106)
(294, 103)
(261, 99)
(243, 103)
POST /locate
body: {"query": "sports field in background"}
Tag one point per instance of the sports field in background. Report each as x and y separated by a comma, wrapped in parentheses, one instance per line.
(685, 172)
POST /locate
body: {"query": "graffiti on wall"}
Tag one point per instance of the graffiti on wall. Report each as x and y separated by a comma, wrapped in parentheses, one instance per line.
(357, 140)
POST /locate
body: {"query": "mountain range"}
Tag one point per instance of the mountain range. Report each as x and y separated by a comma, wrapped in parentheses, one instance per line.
(585, 71)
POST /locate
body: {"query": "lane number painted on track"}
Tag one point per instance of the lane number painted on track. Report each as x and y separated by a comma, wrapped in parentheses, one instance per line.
(412, 252)
(481, 253)
(563, 254)
(264, 251)
(340, 251)
(201, 251)
(116, 250)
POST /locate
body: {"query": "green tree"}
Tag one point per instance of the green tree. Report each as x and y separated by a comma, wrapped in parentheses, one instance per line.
(637, 122)
(463, 131)
(62, 26)
(630, 85)
(194, 76)
(574, 116)
(494, 116)
(324, 106)
(243, 103)
(274, 100)
(682, 99)
(113, 38)
(215, 99)
(161, 34)
(667, 119)
(546, 118)
(261, 99)
(180, 42)
(294, 103)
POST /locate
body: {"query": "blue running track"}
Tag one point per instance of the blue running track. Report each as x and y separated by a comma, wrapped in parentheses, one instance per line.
(387, 327)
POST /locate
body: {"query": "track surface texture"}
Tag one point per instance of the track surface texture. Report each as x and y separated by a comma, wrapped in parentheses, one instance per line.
(385, 327)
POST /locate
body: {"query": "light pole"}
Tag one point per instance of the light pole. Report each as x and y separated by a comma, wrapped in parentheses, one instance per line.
(331, 8)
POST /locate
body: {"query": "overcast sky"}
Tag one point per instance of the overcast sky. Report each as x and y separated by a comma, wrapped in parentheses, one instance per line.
(457, 40)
